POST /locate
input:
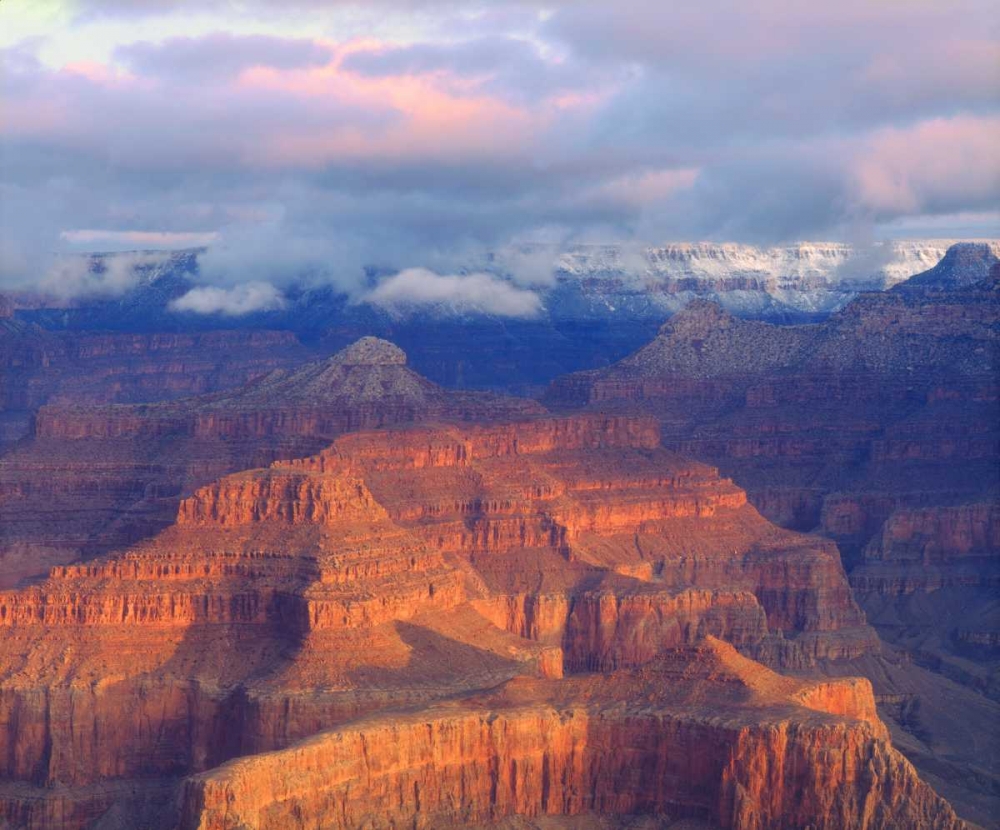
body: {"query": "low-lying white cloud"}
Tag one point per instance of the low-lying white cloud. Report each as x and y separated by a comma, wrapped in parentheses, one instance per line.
(231, 302)
(83, 277)
(421, 290)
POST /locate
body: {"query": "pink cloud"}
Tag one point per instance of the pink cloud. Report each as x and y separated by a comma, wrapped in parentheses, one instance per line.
(646, 188)
(936, 164)
(432, 121)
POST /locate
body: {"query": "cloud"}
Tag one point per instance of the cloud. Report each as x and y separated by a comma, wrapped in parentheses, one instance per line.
(237, 301)
(275, 251)
(220, 56)
(936, 166)
(512, 68)
(90, 239)
(450, 132)
(82, 277)
(527, 264)
(419, 290)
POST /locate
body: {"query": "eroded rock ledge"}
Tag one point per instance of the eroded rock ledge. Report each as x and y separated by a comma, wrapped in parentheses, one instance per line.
(407, 571)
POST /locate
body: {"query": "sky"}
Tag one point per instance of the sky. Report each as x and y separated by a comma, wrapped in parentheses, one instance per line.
(315, 139)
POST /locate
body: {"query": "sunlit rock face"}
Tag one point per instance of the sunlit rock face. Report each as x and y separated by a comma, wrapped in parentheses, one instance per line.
(93, 478)
(749, 759)
(475, 576)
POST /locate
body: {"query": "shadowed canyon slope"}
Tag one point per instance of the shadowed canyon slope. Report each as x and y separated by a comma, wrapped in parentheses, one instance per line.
(879, 428)
(92, 478)
(401, 630)
(39, 366)
(890, 405)
(596, 303)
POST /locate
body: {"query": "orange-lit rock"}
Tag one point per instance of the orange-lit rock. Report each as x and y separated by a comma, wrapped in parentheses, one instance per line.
(878, 428)
(714, 737)
(97, 478)
(474, 576)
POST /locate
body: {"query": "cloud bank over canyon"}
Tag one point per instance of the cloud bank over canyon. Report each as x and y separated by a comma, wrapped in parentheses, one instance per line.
(460, 129)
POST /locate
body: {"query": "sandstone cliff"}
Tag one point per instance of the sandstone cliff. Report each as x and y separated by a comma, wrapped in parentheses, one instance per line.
(879, 428)
(407, 569)
(750, 761)
(96, 478)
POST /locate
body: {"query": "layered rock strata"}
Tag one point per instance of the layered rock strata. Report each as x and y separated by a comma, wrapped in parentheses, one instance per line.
(93, 479)
(396, 570)
(754, 758)
(879, 428)
(892, 404)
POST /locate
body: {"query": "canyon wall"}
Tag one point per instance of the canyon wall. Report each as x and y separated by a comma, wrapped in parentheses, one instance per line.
(879, 429)
(406, 568)
(98, 478)
(750, 766)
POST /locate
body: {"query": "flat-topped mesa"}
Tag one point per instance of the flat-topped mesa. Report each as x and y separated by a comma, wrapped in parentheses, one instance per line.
(281, 496)
(700, 733)
(415, 449)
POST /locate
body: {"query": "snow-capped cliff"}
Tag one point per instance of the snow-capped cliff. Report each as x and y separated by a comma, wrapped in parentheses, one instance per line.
(808, 278)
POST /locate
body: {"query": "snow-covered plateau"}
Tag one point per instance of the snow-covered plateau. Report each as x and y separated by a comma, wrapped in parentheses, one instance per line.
(807, 278)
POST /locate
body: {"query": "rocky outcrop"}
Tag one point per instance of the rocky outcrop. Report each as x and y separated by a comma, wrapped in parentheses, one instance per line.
(404, 568)
(932, 548)
(962, 266)
(928, 580)
(891, 404)
(751, 761)
(877, 428)
(98, 478)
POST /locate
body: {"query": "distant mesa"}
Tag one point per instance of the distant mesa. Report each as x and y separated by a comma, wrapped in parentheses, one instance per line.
(963, 265)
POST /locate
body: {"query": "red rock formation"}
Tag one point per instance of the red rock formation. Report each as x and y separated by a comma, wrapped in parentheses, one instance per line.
(893, 399)
(400, 568)
(99, 478)
(754, 759)
(932, 548)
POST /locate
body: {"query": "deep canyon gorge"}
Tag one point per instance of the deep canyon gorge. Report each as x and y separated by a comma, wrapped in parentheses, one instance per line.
(743, 578)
